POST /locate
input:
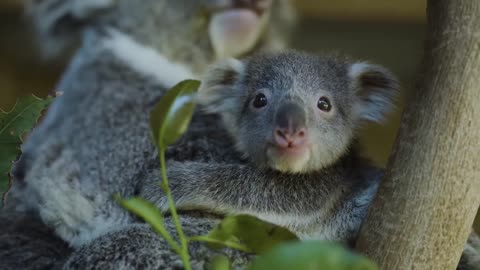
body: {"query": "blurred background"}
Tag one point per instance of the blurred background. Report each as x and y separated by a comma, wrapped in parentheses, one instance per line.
(390, 33)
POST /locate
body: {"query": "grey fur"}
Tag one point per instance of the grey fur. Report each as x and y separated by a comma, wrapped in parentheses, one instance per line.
(470, 259)
(138, 247)
(26, 243)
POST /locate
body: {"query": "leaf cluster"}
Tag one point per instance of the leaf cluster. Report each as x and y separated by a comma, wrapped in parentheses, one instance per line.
(13, 127)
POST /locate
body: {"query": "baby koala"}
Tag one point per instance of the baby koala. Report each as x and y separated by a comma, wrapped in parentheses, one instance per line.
(295, 118)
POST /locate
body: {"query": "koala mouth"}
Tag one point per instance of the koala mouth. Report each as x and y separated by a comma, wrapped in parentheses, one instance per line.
(292, 159)
(236, 29)
(257, 6)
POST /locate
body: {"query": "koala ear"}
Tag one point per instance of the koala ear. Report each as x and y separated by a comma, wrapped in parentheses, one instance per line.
(218, 91)
(58, 23)
(375, 88)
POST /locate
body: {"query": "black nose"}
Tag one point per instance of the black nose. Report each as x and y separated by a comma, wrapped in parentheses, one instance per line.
(290, 117)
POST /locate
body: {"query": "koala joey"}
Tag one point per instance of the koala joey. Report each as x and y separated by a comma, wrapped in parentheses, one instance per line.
(295, 118)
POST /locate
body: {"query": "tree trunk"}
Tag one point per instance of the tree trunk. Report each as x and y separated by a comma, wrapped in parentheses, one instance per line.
(426, 204)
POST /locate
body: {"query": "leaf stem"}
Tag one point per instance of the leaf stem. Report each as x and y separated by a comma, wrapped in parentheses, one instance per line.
(183, 240)
(157, 225)
(164, 233)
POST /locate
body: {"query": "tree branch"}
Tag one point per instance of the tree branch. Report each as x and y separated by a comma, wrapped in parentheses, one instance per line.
(426, 205)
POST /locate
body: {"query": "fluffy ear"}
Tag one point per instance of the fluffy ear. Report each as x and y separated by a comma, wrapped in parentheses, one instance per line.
(218, 92)
(221, 93)
(375, 88)
(58, 22)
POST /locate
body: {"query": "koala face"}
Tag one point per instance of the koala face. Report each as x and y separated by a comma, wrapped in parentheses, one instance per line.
(229, 27)
(295, 112)
(220, 27)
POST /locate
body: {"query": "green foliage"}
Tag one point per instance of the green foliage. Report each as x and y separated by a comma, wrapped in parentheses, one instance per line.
(13, 126)
(311, 255)
(148, 212)
(168, 121)
(219, 262)
(172, 114)
(248, 233)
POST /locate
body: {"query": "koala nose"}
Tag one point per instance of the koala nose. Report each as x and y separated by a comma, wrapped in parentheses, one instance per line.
(289, 138)
(290, 128)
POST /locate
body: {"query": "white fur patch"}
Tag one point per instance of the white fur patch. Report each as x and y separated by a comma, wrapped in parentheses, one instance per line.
(146, 60)
(287, 163)
(236, 65)
(358, 69)
(380, 98)
(209, 91)
(64, 203)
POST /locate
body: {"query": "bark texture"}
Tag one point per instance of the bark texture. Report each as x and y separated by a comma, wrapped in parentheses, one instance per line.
(426, 205)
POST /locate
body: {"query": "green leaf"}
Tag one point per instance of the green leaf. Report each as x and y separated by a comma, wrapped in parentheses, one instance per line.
(13, 126)
(148, 212)
(145, 210)
(311, 255)
(215, 243)
(219, 262)
(257, 235)
(169, 119)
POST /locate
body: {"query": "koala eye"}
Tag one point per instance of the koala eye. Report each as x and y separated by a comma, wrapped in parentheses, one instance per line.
(260, 101)
(324, 104)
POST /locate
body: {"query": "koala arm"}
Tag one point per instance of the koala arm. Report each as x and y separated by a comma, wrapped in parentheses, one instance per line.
(329, 204)
(240, 188)
(198, 185)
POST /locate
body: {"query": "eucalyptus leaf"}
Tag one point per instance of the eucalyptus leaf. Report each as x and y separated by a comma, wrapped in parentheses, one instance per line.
(219, 262)
(13, 126)
(311, 255)
(257, 235)
(146, 211)
(171, 116)
(232, 242)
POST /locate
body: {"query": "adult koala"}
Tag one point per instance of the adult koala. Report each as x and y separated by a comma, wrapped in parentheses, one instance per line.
(95, 139)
